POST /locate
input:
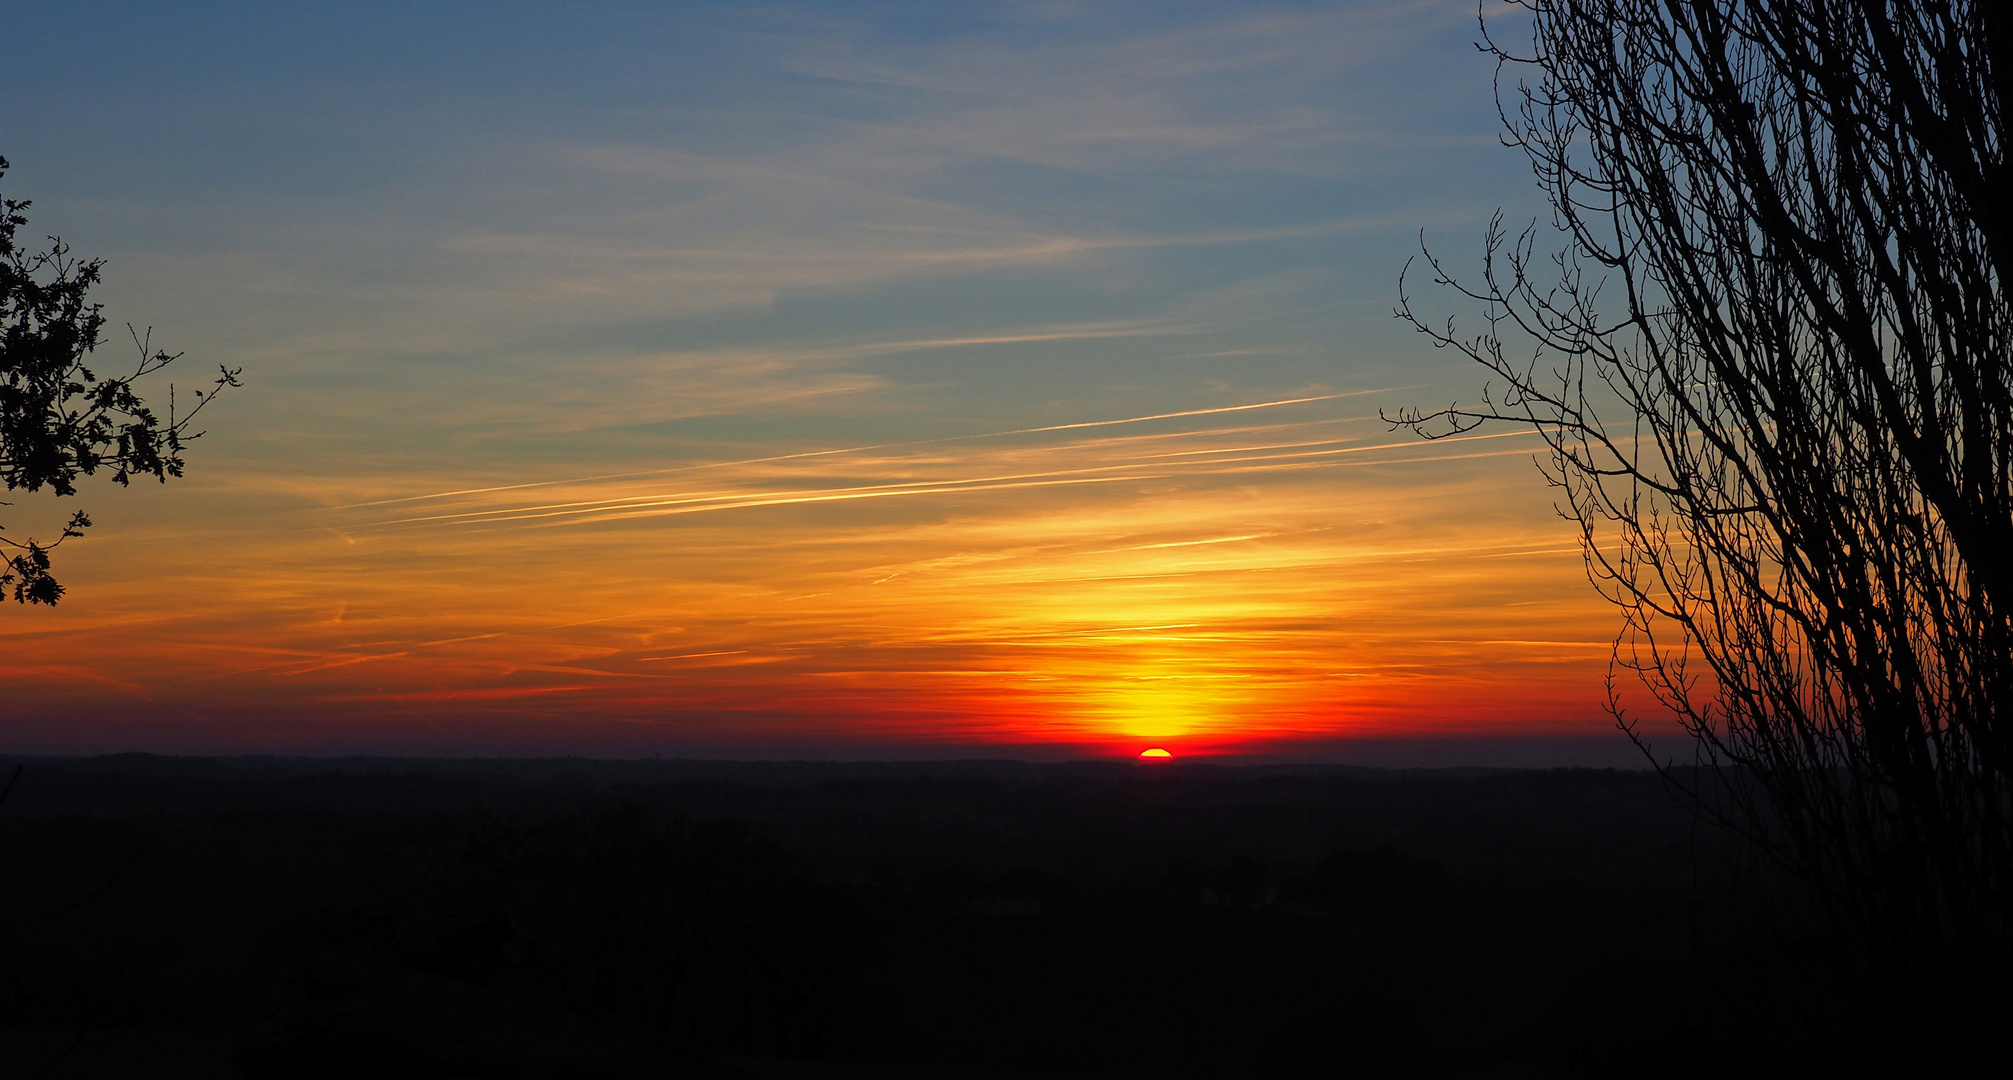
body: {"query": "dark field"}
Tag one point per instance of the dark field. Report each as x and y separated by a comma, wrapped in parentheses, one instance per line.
(386, 918)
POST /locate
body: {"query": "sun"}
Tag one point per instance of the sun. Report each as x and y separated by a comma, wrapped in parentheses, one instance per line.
(1155, 754)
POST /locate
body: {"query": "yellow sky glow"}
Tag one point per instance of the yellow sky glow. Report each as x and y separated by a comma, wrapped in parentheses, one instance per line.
(1213, 578)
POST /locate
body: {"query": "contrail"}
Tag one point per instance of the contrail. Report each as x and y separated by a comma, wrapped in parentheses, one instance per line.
(745, 500)
(860, 449)
(696, 502)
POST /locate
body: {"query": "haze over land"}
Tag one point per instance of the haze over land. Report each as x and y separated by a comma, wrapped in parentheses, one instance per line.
(774, 380)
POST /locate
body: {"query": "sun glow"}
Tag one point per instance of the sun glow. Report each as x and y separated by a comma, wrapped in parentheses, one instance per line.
(1185, 579)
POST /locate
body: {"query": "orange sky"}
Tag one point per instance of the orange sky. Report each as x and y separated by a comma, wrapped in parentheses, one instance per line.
(759, 379)
(1209, 582)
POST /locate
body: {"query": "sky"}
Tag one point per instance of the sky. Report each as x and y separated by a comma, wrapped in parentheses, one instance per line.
(771, 380)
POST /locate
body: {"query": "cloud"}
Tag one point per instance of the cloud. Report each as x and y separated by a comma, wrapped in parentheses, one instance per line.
(999, 380)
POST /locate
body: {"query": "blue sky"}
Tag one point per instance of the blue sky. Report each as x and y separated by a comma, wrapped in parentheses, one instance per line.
(388, 202)
(463, 248)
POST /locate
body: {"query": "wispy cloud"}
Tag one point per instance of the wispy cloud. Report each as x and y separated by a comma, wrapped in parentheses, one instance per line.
(922, 468)
(996, 380)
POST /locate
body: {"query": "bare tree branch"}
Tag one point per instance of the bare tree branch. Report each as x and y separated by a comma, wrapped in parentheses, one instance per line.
(1770, 363)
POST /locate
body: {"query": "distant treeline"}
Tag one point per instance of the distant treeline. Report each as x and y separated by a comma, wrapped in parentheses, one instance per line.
(379, 917)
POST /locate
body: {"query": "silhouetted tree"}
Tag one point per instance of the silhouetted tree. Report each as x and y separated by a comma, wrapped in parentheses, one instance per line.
(59, 419)
(1770, 362)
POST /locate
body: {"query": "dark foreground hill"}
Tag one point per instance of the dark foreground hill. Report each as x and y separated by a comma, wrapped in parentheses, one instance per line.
(534, 919)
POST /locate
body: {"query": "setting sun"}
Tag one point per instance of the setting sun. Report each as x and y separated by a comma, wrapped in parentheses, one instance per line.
(816, 449)
(1155, 754)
